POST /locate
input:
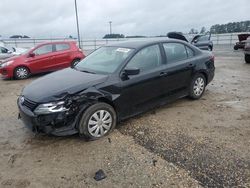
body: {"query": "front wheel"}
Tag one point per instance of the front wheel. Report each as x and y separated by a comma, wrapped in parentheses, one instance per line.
(247, 58)
(197, 86)
(210, 48)
(21, 73)
(97, 121)
(74, 62)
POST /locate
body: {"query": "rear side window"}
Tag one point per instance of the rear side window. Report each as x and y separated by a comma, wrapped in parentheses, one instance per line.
(61, 47)
(43, 49)
(175, 52)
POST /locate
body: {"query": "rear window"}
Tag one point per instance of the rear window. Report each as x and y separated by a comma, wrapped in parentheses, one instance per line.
(61, 47)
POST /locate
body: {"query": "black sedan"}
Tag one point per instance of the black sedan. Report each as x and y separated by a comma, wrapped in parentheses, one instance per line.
(113, 83)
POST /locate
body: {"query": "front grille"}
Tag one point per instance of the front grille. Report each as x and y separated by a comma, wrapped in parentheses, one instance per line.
(29, 104)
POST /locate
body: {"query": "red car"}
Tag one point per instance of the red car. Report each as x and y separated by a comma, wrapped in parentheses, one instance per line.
(45, 57)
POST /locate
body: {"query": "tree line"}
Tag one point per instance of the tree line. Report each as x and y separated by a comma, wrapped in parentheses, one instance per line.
(231, 27)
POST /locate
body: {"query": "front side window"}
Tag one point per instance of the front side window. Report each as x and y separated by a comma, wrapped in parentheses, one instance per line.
(3, 50)
(146, 59)
(105, 60)
(43, 49)
(175, 52)
(61, 47)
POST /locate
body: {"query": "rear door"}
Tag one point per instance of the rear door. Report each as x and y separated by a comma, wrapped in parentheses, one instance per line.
(41, 62)
(178, 69)
(62, 57)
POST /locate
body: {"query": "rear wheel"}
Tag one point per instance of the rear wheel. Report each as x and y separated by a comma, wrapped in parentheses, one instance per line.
(235, 48)
(97, 121)
(247, 58)
(197, 86)
(21, 73)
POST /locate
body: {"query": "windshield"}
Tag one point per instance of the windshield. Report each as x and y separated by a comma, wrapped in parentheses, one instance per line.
(105, 60)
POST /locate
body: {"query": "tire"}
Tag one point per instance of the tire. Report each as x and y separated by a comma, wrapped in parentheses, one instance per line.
(247, 58)
(197, 86)
(235, 48)
(210, 48)
(92, 126)
(21, 73)
(74, 62)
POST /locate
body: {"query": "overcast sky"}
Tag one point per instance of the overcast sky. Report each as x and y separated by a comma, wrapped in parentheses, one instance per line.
(51, 18)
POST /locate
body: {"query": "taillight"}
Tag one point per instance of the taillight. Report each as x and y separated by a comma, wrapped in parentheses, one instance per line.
(212, 58)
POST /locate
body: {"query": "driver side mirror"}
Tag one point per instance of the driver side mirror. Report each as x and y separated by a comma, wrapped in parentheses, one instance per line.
(32, 54)
(131, 71)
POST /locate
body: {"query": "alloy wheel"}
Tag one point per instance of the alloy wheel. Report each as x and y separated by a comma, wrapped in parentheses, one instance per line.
(100, 123)
(22, 73)
(199, 86)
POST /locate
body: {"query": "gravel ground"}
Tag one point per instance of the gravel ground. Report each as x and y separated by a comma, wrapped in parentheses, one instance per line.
(187, 143)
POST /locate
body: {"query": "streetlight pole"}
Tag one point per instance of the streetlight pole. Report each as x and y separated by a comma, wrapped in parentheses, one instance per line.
(110, 27)
(77, 25)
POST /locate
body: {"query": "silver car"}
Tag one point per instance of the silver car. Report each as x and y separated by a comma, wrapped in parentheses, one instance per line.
(5, 53)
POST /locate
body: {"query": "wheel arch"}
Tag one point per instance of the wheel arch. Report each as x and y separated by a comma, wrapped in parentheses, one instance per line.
(204, 73)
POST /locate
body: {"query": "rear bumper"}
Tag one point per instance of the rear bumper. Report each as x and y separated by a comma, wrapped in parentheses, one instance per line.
(54, 124)
(247, 51)
(210, 75)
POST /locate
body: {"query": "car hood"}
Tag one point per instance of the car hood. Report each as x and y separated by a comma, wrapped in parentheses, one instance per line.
(177, 35)
(12, 57)
(243, 37)
(57, 85)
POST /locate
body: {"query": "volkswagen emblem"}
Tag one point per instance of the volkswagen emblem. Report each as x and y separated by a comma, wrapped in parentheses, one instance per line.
(21, 100)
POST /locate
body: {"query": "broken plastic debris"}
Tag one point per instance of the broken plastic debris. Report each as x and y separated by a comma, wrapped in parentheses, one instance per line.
(100, 175)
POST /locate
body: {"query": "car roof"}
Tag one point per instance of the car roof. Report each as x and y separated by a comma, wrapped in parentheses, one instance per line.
(56, 42)
(141, 43)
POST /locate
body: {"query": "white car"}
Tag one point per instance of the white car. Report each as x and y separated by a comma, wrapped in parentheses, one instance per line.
(9, 52)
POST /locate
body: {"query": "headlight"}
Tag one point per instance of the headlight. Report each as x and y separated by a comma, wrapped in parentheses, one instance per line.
(49, 108)
(7, 63)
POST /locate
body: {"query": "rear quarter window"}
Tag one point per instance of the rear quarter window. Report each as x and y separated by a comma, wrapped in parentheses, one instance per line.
(190, 52)
(61, 47)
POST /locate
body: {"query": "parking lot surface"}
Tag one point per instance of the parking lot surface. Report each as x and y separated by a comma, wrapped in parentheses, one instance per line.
(203, 143)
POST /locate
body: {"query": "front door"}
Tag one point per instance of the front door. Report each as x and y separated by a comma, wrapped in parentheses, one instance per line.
(140, 91)
(41, 62)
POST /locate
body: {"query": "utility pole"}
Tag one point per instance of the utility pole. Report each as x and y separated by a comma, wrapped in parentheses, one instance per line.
(110, 27)
(77, 25)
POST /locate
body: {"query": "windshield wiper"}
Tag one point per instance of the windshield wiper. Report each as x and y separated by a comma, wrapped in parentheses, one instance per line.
(88, 71)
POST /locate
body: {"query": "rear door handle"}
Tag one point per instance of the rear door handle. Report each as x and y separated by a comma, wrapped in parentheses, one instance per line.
(163, 74)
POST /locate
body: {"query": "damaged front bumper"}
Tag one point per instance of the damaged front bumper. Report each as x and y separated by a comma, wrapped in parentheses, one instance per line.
(58, 124)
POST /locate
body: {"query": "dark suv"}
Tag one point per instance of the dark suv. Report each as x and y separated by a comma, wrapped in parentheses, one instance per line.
(247, 50)
(201, 41)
